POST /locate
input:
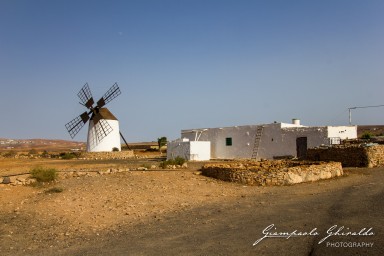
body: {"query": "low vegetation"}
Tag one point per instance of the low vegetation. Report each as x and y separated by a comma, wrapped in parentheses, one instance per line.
(68, 155)
(44, 175)
(54, 190)
(176, 161)
(367, 136)
(45, 154)
(161, 142)
(10, 154)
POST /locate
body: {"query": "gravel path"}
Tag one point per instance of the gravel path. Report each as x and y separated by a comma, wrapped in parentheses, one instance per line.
(183, 213)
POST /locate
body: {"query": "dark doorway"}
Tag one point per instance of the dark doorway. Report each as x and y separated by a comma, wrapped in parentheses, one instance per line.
(301, 147)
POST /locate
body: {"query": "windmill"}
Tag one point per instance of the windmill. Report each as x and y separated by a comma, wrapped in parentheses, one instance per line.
(103, 129)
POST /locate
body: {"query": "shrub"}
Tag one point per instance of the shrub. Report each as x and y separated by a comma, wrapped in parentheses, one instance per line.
(176, 161)
(67, 155)
(10, 154)
(161, 142)
(367, 136)
(43, 175)
(115, 149)
(179, 161)
(45, 154)
(54, 190)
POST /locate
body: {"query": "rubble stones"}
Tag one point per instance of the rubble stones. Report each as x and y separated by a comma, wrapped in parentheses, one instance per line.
(6, 180)
(280, 172)
(26, 179)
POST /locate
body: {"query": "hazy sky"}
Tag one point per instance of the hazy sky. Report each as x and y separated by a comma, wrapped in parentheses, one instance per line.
(185, 64)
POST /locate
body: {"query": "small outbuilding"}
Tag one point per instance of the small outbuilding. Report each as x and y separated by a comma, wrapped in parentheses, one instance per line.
(267, 141)
(189, 150)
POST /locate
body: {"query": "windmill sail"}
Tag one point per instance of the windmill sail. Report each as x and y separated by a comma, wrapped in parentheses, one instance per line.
(112, 93)
(74, 126)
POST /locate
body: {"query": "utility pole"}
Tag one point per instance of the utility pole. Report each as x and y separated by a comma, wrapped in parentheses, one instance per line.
(350, 112)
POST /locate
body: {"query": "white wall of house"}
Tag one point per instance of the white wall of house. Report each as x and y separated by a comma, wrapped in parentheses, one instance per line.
(112, 140)
(343, 132)
(277, 139)
(189, 150)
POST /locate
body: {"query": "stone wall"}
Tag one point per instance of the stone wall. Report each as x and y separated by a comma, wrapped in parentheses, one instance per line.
(107, 155)
(361, 155)
(280, 172)
(375, 155)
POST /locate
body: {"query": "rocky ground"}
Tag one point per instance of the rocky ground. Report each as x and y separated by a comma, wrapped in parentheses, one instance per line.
(180, 212)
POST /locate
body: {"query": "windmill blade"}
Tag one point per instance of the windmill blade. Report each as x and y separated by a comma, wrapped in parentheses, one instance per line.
(112, 93)
(85, 96)
(102, 128)
(74, 126)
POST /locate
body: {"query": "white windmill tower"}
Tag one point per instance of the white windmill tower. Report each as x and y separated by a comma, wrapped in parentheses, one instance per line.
(103, 130)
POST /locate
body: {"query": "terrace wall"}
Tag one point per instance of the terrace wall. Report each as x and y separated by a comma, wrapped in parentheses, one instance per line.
(273, 172)
(108, 155)
(350, 155)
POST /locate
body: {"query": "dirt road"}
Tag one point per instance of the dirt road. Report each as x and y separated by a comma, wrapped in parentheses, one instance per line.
(181, 213)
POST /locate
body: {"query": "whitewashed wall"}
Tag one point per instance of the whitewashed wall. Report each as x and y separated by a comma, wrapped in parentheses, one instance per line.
(189, 150)
(200, 150)
(278, 139)
(343, 132)
(112, 140)
(282, 142)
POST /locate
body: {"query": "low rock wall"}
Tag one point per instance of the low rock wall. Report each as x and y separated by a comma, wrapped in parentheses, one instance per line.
(26, 179)
(273, 172)
(375, 156)
(350, 155)
(107, 155)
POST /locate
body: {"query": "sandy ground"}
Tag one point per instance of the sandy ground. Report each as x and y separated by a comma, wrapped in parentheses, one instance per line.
(182, 213)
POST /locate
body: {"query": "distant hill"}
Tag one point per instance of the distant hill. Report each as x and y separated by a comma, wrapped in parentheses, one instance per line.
(39, 145)
(58, 145)
(376, 130)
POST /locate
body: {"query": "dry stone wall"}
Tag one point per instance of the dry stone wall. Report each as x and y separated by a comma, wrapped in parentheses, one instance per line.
(375, 156)
(280, 172)
(361, 155)
(107, 155)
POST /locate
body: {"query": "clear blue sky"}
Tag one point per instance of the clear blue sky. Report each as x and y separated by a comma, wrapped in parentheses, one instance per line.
(185, 64)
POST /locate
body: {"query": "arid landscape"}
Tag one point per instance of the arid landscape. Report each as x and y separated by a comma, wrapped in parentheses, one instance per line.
(180, 212)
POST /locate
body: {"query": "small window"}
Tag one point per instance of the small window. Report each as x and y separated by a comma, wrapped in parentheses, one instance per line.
(228, 141)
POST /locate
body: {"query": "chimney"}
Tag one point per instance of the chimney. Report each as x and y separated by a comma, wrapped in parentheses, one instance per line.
(296, 121)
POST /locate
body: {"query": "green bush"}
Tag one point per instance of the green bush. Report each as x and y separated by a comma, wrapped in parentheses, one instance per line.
(179, 161)
(367, 136)
(115, 149)
(176, 161)
(67, 155)
(45, 154)
(43, 175)
(161, 142)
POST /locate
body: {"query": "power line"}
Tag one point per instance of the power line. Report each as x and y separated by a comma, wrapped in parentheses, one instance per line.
(350, 112)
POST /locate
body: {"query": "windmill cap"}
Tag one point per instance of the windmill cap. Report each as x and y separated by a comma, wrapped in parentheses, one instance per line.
(106, 114)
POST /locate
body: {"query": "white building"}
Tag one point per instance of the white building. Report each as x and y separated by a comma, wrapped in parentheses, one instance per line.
(189, 150)
(266, 141)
